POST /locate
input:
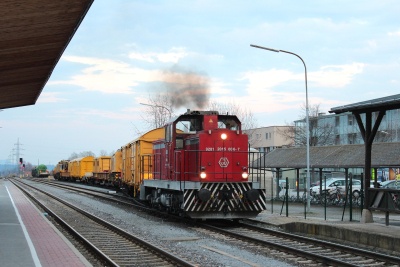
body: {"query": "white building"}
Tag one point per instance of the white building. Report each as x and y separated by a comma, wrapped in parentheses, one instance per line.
(266, 139)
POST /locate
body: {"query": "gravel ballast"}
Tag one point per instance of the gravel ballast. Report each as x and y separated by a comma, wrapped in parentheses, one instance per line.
(204, 251)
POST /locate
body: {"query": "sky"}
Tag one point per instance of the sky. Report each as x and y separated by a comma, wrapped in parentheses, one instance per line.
(125, 51)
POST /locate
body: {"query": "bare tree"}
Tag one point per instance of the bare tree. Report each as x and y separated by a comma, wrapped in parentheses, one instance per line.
(321, 130)
(28, 166)
(245, 115)
(74, 155)
(160, 111)
(87, 154)
(103, 153)
(112, 153)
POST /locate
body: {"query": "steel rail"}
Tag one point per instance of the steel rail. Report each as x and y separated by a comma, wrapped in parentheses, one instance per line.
(299, 252)
(302, 253)
(69, 228)
(353, 250)
(103, 195)
(119, 230)
(107, 195)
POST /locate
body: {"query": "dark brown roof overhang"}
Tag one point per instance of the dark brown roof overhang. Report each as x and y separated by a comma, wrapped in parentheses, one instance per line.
(33, 36)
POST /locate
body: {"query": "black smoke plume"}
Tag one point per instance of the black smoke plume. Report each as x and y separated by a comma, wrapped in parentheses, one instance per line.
(187, 89)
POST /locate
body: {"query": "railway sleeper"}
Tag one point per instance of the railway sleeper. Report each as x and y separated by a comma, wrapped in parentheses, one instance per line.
(357, 258)
(333, 253)
(306, 262)
(366, 261)
(139, 261)
(378, 264)
(315, 249)
(141, 258)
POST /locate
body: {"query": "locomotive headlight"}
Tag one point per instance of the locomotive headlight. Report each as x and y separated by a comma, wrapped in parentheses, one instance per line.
(203, 175)
(223, 136)
(245, 175)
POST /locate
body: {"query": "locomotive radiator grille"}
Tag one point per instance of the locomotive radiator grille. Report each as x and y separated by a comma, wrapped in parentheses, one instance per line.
(235, 200)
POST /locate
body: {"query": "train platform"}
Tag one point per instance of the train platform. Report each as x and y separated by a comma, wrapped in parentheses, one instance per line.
(374, 235)
(27, 238)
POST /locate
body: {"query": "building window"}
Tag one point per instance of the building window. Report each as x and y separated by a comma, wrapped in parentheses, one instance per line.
(350, 119)
(267, 135)
(270, 136)
(258, 136)
(351, 138)
(337, 121)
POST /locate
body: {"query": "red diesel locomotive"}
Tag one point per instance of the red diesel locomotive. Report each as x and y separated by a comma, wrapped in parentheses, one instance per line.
(200, 169)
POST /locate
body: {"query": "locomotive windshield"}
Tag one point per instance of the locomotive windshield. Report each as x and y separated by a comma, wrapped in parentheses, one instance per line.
(191, 125)
(228, 123)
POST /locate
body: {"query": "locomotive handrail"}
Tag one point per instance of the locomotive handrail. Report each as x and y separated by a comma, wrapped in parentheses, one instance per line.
(155, 167)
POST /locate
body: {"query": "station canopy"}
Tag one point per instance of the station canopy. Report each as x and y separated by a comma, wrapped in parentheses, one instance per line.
(377, 104)
(340, 156)
(33, 36)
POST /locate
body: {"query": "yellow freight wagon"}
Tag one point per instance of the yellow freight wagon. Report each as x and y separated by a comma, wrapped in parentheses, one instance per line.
(70, 164)
(116, 167)
(61, 170)
(82, 168)
(131, 158)
(101, 169)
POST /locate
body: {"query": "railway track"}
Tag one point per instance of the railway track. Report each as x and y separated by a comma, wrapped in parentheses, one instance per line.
(113, 245)
(303, 250)
(92, 192)
(295, 248)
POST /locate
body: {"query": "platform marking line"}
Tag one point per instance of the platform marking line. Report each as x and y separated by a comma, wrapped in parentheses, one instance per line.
(231, 256)
(28, 239)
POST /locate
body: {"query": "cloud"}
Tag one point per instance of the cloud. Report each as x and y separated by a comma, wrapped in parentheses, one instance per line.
(172, 56)
(394, 33)
(328, 76)
(262, 97)
(218, 87)
(104, 113)
(335, 75)
(115, 77)
(49, 97)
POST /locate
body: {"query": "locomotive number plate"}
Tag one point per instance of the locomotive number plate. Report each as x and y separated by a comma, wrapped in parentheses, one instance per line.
(223, 149)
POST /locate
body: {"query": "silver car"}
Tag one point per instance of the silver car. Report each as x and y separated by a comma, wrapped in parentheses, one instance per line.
(334, 183)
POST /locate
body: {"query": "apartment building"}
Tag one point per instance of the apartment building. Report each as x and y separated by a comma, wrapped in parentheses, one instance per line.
(266, 139)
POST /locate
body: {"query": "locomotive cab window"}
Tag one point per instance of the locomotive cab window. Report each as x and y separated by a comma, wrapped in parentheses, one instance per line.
(228, 123)
(189, 126)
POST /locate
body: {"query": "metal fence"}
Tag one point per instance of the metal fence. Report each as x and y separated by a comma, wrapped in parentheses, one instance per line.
(332, 201)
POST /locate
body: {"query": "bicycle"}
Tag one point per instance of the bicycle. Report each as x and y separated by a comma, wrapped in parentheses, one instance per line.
(337, 198)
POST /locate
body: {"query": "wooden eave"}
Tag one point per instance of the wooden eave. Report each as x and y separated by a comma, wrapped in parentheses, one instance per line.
(33, 36)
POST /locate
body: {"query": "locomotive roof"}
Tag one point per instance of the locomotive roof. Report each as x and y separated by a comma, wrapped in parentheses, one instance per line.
(142, 137)
(194, 114)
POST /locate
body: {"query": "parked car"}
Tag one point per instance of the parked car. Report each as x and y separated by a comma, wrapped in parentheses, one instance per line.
(393, 184)
(332, 183)
(315, 184)
(372, 184)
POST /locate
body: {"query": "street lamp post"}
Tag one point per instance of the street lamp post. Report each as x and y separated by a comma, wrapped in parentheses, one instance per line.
(307, 119)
